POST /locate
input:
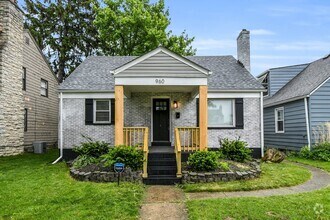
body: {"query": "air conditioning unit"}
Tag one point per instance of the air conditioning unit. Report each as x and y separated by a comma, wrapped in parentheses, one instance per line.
(39, 147)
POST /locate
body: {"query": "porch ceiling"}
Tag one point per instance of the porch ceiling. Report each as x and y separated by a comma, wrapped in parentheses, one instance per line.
(161, 88)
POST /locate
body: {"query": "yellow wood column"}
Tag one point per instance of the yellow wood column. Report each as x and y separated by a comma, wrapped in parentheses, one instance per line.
(119, 115)
(203, 117)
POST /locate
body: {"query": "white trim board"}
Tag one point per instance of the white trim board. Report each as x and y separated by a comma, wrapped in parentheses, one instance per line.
(160, 81)
(319, 86)
(88, 95)
(156, 51)
(233, 95)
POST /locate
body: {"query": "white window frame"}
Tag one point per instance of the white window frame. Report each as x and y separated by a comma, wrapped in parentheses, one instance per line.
(234, 115)
(44, 88)
(94, 111)
(276, 119)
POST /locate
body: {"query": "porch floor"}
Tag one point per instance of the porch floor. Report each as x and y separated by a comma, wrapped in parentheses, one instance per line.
(161, 149)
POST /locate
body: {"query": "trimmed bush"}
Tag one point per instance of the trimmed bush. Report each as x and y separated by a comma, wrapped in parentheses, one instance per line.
(131, 156)
(84, 160)
(92, 148)
(203, 161)
(224, 166)
(235, 150)
(320, 151)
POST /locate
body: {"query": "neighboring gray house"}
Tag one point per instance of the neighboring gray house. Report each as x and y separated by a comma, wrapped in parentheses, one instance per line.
(163, 100)
(297, 104)
(28, 87)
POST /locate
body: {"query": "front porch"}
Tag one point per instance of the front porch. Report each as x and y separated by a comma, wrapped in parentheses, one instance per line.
(144, 123)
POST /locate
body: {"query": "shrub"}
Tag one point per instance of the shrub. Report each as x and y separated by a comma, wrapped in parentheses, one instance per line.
(203, 161)
(131, 156)
(92, 148)
(305, 152)
(224, 166)
(320, 151)
(84, 160)
(235, 150)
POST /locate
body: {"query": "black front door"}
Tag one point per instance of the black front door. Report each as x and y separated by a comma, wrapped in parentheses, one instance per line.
(161, 123)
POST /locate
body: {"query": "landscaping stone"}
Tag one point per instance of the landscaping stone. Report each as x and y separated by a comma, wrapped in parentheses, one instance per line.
(202, 177)
(273, 155)
(102, 176)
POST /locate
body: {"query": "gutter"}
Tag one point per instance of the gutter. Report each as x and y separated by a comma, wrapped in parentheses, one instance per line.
(60, 131)
(307, 123)
(262, 123)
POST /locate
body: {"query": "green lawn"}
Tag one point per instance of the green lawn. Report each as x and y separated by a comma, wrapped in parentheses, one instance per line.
(32, 188)
(273, 175)
(300, 206)
(316, 163)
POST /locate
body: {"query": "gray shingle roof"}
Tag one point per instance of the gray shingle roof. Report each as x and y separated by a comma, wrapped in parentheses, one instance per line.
(304, 83)
(94, 73)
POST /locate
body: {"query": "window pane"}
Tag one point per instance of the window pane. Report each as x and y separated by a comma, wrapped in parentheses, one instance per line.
(43, 92)
(102, 116)
(102, 105)
(280, 115)
(43, 84)
(280, 126)
(220, 112)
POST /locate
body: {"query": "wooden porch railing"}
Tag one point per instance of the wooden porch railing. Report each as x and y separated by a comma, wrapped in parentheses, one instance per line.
(177, 149)
(189, 138)
(138, 136)
(186, 140)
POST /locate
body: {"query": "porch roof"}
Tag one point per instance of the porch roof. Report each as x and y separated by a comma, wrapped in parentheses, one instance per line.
(94, 74)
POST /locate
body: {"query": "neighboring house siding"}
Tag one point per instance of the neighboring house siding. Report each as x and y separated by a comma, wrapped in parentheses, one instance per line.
(319, 103)
(279, 77)
(159, 65)
(251, 132)
(295, 134)
(138, 113)
(42, 123)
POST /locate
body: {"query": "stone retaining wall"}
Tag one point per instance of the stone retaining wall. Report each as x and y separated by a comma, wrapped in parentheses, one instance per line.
(101, 176)
(206, 177)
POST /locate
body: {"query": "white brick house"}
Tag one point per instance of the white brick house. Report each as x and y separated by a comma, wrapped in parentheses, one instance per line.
(188, 101)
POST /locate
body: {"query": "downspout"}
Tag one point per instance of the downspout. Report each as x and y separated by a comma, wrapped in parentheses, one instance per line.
(60, 132)
(307, 123)
(262, 122)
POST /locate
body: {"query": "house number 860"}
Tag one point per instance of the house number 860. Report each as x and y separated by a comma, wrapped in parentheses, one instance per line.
(160, 81)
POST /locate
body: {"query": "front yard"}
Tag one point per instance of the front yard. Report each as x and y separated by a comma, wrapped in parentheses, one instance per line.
(313, 205)
(32, 188)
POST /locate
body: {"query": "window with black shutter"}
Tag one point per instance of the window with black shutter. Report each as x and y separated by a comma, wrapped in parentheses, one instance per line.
(99, 111)
(224, 113)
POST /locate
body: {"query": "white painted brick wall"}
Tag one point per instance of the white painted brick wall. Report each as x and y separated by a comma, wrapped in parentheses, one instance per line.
(138, 113)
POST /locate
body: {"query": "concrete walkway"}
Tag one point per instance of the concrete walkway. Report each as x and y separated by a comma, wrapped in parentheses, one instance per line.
(164, 202)
(320, 179)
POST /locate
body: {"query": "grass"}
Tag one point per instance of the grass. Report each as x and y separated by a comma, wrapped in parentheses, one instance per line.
(32, 188)
(299, 206)
(274, 175)
(316, 163)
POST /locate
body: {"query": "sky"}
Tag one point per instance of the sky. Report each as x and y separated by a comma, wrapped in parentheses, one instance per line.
(283, 32)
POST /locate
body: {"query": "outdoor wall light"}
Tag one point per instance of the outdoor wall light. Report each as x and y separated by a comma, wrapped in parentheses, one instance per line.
(175, 104)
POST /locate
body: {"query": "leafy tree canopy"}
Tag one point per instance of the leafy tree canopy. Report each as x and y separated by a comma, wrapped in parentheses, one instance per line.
(134, 27)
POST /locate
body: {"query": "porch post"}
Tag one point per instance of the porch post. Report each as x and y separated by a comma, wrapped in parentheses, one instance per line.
(119, 115)
(203, 117)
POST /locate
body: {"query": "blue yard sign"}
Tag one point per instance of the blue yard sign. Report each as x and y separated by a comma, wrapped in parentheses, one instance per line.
(119, 167)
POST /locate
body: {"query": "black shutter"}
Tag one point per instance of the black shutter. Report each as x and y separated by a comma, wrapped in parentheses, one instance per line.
(197, 112)
(239, 113)
(88, 111)
(113, 111)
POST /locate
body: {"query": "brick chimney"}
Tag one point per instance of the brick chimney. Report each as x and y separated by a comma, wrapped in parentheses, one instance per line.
(243, 48)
